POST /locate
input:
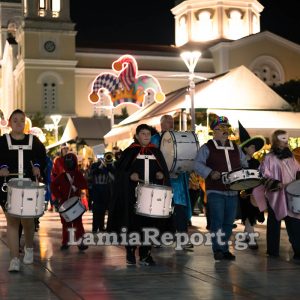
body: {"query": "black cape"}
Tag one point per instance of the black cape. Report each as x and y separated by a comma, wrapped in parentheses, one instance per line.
(121, 209)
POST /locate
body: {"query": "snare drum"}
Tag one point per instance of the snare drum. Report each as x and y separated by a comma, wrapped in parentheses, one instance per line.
(71, 209)
(293, 196)
(179, 149)
(25, 198)
(242, 179)
(153, 200)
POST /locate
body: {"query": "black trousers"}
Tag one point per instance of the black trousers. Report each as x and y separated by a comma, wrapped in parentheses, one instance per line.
(273, 233)
(144, 251)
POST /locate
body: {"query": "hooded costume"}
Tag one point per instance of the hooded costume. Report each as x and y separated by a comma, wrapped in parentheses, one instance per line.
(66, 185)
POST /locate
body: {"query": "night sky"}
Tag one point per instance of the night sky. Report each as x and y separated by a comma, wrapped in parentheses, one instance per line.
(127, 22)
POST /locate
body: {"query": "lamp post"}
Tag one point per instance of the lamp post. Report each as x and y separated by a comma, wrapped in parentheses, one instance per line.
(190, 59)
(56, 119)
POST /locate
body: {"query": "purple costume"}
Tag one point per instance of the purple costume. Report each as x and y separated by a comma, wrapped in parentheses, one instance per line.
(284, 171)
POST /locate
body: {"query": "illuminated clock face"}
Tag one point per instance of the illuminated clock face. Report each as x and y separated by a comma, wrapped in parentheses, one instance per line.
(49, 46)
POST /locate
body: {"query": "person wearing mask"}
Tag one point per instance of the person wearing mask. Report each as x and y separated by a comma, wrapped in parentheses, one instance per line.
(69, 184)
(220, 155)
(57, 168)
(279, 168)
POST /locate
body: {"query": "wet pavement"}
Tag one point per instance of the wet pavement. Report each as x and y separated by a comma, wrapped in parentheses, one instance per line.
(101, 271)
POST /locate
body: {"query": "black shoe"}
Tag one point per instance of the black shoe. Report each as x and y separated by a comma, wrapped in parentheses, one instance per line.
(218, 255)
(130, 258)
(296, 257)
(64, 247)
(272, 254)
(147, 261)
(82, 247)
(188, 246)
(228, 256)
(253, 246)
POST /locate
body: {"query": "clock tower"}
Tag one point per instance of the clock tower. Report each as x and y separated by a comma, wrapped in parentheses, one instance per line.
(45, 69)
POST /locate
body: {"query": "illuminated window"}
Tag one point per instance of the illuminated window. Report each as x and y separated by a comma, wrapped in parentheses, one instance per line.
(55, 7)
(182, 37)
(42, 4)
(255, 24)
(235, 24)
(42, 8)
(204, 28)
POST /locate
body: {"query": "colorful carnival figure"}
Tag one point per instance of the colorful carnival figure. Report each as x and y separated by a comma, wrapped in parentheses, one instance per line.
(279, 168)
(126, 86)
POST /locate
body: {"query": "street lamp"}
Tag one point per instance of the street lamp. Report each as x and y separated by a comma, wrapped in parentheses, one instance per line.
(56, 119)
(190, 59)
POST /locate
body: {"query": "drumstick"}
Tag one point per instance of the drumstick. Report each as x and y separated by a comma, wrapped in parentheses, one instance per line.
(36, 177)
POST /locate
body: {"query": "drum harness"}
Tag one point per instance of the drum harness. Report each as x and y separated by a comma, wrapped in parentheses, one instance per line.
(226, 153)
(146, 159)
(20, 158)
(20, 149)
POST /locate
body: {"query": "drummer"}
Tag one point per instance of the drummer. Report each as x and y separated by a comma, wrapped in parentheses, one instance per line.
(250, 213)
(180, 185)
(68, 184)
(213, 158)
(24, 156)
(279, 168)
(140, 162)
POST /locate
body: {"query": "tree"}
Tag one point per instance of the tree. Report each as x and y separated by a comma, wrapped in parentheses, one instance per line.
(289, 91)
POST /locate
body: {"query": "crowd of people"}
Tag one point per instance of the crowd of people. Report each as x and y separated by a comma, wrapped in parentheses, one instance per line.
(225, 181)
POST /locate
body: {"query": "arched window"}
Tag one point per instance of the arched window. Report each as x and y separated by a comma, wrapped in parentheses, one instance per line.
(235, 24)
(42, 8)
(182, 34)
(55, 8)
(204, 28)
(49, 8)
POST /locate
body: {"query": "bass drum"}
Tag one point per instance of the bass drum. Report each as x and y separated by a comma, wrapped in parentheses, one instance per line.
(179, 149)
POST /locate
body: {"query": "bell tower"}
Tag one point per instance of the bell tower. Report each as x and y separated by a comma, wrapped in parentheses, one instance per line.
(199, 21)
(45, 72)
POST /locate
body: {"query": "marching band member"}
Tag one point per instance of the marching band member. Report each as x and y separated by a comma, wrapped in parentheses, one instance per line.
(180, 185)
(213, 158)
(140, 162)
(57, 168)
(24, 155)
(66, 185)
(279, 168)
(101, 177)
(250, 213)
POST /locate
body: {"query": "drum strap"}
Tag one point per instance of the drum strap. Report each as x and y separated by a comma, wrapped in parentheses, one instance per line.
(71, 180)
(146, 159)
(20, 149)
(226, 149)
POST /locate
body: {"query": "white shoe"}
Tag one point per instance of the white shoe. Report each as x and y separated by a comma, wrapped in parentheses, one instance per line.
(28, 257)
(14, 265)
